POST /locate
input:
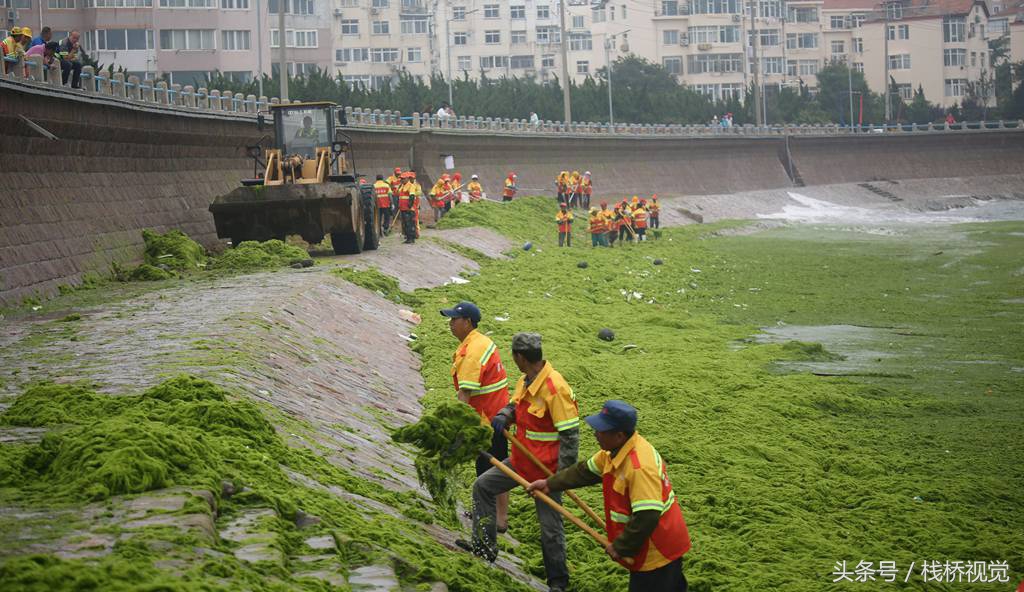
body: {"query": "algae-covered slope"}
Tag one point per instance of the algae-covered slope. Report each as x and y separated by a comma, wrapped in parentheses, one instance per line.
(915, 455)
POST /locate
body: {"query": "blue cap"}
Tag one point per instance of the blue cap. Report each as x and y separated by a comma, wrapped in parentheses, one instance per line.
(615, 416)
(462, 310)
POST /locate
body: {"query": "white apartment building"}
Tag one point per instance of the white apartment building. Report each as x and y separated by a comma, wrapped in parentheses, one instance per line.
(715, 46)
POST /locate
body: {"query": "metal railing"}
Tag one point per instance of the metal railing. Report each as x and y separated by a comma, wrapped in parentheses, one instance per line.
(32, 71)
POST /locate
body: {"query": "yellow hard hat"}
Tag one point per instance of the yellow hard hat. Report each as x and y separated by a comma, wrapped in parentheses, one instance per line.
(15, 31)
(26, 31)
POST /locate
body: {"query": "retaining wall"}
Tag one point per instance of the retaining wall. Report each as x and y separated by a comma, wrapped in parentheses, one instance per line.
(77, 204)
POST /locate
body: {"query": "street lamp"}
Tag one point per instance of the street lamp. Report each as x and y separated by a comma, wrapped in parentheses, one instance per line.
(448, 49)
(608, 69)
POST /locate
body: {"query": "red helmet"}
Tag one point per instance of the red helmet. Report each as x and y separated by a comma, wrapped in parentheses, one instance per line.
(398, 170)
(445, 177)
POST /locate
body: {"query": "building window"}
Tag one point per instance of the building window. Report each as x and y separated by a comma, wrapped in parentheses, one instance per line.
(895, 10)
(306, 38)
(858, 67)
(187, 39)
(801, 40)
(802, 67)
(715, 62)
(857, 20)
(720, 92)
(299, 7)
(899, 32)
(974, 59)
(348, 3)
(954, 30)
(492, 37)
(235, 41)
(802, 14)
(899, 61)
(413, 54)
(954, 57)
(381, 28)
(517, 37)
(598, 15)
(120, 4)
(581, 42)
(838, 47)
(670, 37)
(858, 45)
(235, 5)
(547, 61)
(517, 13)
(521, 62)
(838, 22)
(492, 11)
(352, 54)
(674, 65)
(380, 3)
(124, 39)
(350, 27)
(413, 25)
(583, 67)
(772, 65)
(460, 38)
(906, 91)
(769, 37)
(769, 9)
(956, 87)
(186, 4)
(546, 35)
(713, 7)
(714, 34)
(60, 4)
(577, 22)
(355, 81)
(543, 12)
(998, 27)
(669, 7)
(459, 13)
(493, 62)
(464, 62)
(383, 55)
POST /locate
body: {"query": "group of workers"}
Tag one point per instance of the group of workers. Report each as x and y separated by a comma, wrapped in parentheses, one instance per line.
(574, 189)
(626, 221)
(645, 527)
(20, 44)
(401, 193)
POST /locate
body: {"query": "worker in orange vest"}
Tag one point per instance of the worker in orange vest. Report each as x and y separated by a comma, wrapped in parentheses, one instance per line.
(481, 382)
(416, 193)
(588, 189)
(405, 208)
(438, 196)
(640, 220)
(642, 515)
(562, 186)
(456, 193)
(563, 218)
(547, 421)
(382, 194)
(510, 188)
(655, 208)
(598, 228)
(476, 191)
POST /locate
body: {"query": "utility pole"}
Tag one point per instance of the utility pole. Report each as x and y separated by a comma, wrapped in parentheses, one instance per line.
(885, 30)
(758, 114)
(608, 68)
(448, 52)
(849, 80)
(566, 100)
(282, 42)
(259, 44)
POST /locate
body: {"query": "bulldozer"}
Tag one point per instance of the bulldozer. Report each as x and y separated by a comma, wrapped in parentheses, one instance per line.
(304, 184)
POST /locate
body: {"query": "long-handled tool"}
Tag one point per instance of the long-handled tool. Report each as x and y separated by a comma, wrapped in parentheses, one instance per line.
(600, 538)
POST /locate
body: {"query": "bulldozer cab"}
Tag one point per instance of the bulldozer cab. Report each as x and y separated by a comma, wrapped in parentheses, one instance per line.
(308, 148)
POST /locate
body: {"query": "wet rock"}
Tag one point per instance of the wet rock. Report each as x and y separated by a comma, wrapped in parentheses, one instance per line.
(606, 334)
(331, 577)
(306, 263)
(259, 552)
(320, 543)
(227, 489)
(296, 265)
(304, 520)
(373, 578)
(583, 265)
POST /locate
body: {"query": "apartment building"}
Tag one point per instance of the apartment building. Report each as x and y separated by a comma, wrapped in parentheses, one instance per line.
(187, 39)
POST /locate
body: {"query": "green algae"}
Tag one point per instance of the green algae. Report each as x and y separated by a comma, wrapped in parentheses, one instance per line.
(374, 280)
(148, 273)
(173, 249)
(449, 436)
(253, 255)
(780, 476)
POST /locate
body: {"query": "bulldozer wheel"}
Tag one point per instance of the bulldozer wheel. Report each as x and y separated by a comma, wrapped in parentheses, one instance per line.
(347, 243)
(372, 234)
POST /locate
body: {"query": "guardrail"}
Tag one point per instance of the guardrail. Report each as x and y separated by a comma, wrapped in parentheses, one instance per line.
(34, 72)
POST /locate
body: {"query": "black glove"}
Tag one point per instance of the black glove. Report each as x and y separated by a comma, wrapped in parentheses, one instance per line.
(503, 418)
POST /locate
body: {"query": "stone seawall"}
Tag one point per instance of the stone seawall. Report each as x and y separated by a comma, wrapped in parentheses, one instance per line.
(77, 204)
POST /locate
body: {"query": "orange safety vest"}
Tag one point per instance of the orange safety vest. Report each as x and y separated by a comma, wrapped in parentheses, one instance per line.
(588, 188)
(563, 221)
(640, 218)
(539, 435)
(383, 192)
(491, 395)
(671, 537)
(654, 209)
(510, 188)
(598, 224)
(404, 200)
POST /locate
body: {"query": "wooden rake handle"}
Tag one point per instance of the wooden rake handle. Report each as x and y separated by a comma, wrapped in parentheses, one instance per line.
(600, 538)
(572, 495)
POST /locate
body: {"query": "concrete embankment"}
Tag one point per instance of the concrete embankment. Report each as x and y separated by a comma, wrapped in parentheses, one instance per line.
(77, 204)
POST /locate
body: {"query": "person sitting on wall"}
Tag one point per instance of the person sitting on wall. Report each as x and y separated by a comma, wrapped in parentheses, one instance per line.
(44, 37)
(70, 61)
(48, 53)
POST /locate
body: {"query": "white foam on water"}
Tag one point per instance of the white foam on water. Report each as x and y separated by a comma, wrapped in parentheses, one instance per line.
(816, 211)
